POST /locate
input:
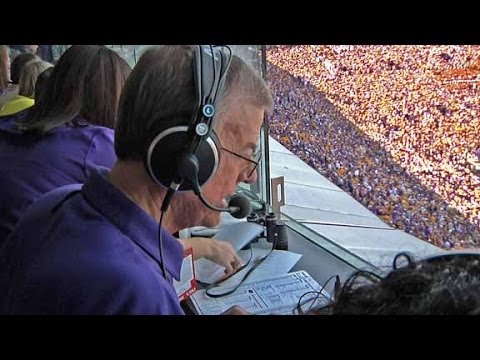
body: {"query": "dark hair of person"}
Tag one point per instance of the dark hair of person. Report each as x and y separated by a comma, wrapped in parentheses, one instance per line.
(41, 84)
(17, 65)
(84, 88)
(445, 285)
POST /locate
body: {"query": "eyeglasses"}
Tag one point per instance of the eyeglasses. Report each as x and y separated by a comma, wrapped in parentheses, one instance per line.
(254, 161)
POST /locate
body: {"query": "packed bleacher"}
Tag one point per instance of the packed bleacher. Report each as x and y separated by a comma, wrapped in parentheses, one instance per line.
(395, 126)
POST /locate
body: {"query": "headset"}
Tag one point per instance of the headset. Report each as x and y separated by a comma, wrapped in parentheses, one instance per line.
(184, 157)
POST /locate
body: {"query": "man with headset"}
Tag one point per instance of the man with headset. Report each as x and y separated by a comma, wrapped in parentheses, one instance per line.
(188, 126)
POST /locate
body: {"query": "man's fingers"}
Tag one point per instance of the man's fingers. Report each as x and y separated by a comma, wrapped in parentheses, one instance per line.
(236, 310)
(237, 262)
(228, 269)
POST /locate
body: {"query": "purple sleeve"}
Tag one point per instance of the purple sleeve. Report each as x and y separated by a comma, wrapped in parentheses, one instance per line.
(101, 151)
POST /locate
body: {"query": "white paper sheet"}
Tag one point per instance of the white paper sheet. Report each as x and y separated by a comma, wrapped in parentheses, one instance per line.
(279, 295)
(277, 263)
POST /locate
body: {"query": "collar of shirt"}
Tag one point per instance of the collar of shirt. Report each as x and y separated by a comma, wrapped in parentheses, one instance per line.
(133, 221)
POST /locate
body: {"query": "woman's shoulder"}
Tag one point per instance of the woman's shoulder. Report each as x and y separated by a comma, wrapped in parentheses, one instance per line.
(87, 130)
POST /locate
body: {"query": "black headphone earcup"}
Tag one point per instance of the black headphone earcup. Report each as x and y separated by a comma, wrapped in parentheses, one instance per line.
(161, 159)
(208, 156)
(166, 150)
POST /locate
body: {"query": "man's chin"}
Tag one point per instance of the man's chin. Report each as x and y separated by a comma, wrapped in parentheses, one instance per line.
(212, 220)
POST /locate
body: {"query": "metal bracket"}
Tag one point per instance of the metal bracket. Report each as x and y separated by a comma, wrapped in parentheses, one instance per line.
(278, 194)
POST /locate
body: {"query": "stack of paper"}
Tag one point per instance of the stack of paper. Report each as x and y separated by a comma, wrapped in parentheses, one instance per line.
(279, 295)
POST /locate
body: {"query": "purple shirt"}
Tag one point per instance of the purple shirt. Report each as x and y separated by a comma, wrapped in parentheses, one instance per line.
(31, 165)
(88, 250)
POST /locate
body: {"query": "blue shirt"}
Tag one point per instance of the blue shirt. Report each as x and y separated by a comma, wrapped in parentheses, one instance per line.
(30, 165)
(88, 250)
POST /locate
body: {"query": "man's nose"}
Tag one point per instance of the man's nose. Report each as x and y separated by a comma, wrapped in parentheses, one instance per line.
(251, 178)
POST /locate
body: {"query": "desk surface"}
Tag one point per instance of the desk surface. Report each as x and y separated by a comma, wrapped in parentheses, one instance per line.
(319, 263)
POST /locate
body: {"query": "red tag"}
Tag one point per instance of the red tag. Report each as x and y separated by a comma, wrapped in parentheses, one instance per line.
(187, 284)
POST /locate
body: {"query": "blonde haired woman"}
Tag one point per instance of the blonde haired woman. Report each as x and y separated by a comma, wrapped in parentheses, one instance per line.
(26, 92)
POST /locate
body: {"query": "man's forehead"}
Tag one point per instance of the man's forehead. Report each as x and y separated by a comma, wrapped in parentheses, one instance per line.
(244, 123)
(247, 132)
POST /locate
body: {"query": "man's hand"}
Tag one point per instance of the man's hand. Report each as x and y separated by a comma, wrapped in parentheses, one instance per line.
(236, 310)
(218, 251)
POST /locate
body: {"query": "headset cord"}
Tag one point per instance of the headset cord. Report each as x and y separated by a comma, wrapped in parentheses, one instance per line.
(258, 261)
(160, 246)
(318, 293)
(163, 209)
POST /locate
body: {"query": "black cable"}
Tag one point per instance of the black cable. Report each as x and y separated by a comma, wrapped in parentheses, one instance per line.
(216, 284)
(299, 305)
(404, 254)
(257, 263)
(160, 245)
(318, 293)
(165, 204)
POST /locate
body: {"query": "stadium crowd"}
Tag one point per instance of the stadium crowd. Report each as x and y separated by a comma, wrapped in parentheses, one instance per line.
(395, 126)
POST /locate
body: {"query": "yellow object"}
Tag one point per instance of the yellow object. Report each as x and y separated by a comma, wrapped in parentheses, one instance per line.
(17, 104)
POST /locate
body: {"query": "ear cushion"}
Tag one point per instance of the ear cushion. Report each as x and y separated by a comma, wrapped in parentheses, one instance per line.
(167, 148)
(208, 155)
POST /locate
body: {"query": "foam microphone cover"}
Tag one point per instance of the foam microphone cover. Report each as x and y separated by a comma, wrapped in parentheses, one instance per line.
(243, 205)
